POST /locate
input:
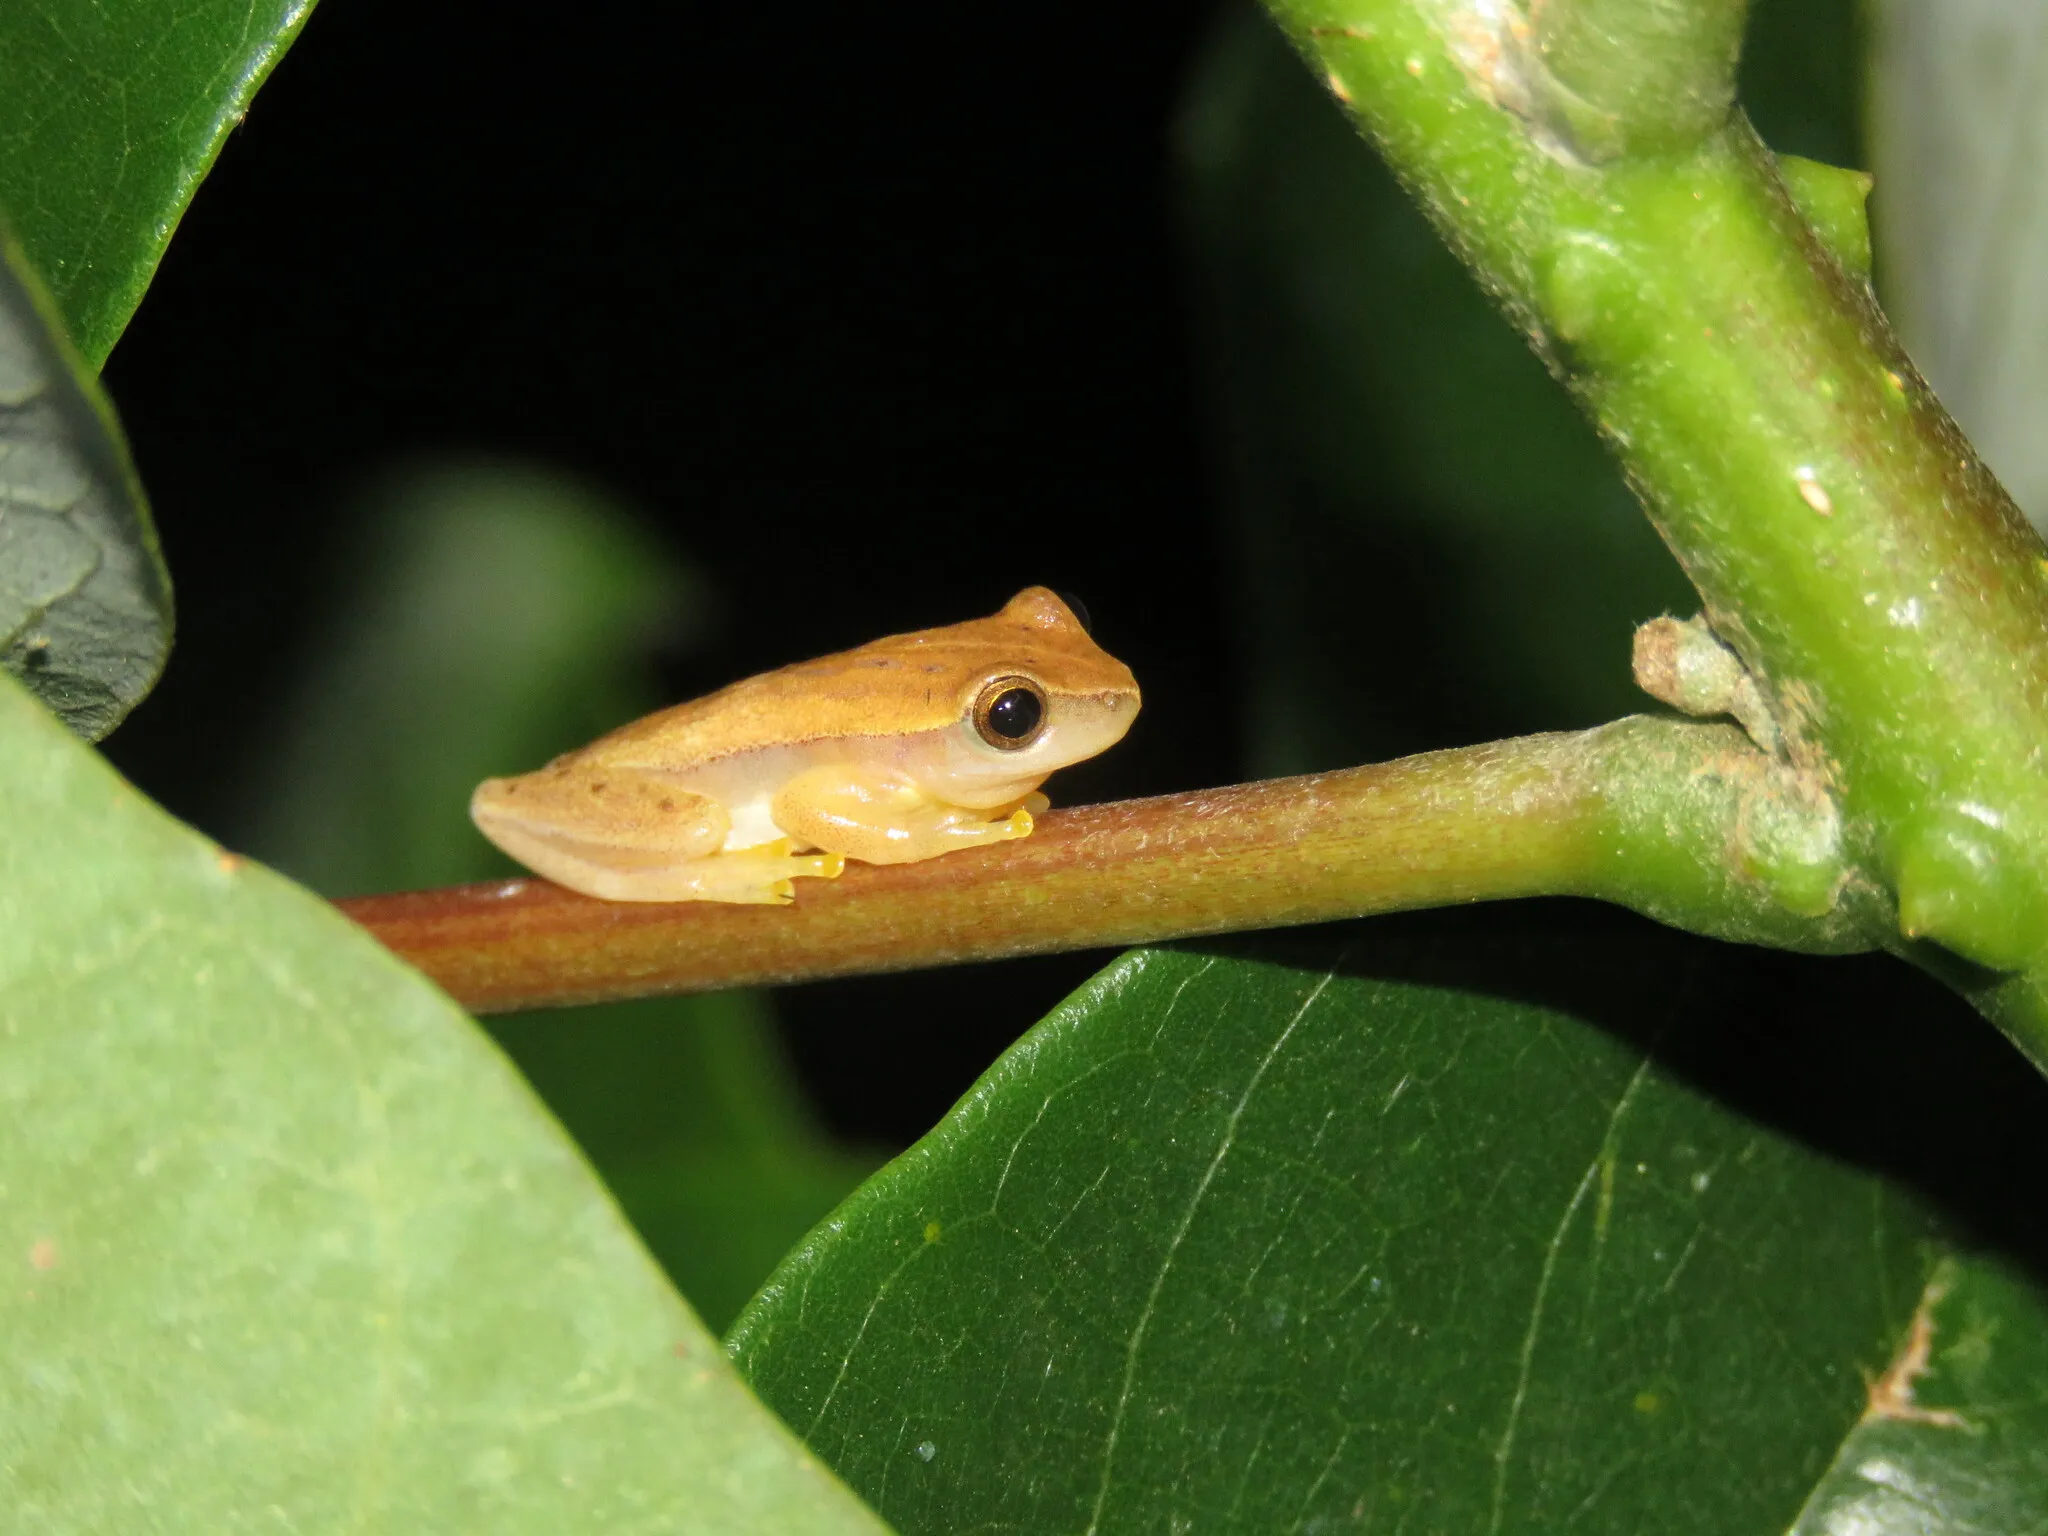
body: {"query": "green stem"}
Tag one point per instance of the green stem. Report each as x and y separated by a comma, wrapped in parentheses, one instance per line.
(1685, 822)
(1873, 576)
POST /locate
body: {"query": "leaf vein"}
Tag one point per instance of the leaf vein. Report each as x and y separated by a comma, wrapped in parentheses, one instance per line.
(1187, 1219)
(1504, 1451)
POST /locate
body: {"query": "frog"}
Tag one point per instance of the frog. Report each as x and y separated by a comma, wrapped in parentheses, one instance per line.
(903, 749)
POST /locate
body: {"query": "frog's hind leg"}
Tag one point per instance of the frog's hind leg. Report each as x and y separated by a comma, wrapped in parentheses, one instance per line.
(627, 834)
(608, 833)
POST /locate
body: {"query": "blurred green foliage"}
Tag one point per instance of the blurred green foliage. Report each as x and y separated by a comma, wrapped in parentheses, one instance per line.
(488, 616)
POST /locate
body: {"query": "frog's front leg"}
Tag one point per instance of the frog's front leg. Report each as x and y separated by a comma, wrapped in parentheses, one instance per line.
(625, 834)
(881, 816)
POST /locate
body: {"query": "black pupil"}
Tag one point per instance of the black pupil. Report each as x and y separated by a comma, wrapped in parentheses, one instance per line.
(1015, 714)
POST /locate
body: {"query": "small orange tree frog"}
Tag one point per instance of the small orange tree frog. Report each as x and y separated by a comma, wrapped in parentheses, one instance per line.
(902, 749)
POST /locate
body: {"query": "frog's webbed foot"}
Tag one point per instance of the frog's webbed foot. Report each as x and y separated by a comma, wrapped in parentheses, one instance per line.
(761, 875)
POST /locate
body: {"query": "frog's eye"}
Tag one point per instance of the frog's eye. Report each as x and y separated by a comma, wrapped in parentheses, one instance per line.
(1010, 713)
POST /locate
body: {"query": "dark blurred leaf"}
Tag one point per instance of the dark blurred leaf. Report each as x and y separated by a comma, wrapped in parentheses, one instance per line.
(110, 118)
(689, 1110)
(1802, 78)
(85, 601)
(1264, 1238)
(291, 1249)
(494, 614)
(487, 615)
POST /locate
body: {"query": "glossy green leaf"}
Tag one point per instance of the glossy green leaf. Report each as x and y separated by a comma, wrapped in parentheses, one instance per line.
(110, 118)
(85, 602)
(291, 1247)
(492, 614)
(1261, 1238)
(1959, 1445)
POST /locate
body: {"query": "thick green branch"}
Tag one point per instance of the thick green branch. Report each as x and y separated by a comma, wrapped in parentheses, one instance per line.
(1887, 596)
(1686, 822)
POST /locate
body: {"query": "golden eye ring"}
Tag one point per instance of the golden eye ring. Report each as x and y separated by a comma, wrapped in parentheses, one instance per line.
(1010, 713)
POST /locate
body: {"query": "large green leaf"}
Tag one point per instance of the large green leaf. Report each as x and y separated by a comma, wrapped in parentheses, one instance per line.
(1262, 1238)
(110, 117)
(293, 1249)
(85, 602)
(491, 615)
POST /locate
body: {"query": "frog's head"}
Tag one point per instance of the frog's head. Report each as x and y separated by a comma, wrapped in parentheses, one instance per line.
(1036, 693)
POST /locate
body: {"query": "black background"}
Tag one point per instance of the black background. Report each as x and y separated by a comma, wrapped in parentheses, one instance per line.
(878, 315)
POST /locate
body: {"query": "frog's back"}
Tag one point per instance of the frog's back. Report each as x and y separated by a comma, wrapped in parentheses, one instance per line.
(920, 681)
